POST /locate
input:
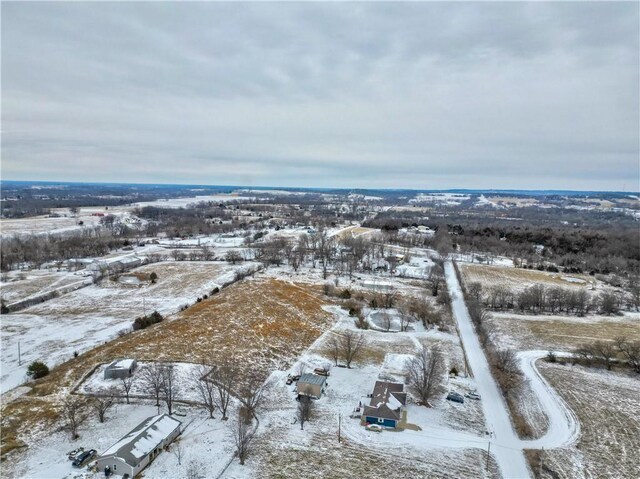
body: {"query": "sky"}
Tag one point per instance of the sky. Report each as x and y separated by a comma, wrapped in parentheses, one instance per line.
(352, 95)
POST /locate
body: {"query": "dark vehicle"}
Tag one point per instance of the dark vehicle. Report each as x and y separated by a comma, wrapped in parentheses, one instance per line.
(455, 397)
(85, 457)
(291, 379)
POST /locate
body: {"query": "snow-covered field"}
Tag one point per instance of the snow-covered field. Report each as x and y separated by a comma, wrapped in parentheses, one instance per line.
(80, 320)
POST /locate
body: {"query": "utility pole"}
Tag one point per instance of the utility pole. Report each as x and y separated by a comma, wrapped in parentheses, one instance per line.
(488, 452)
(541, 462)
(339, 424)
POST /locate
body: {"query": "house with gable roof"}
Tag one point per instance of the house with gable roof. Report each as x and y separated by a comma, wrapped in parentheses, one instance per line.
(387, 404)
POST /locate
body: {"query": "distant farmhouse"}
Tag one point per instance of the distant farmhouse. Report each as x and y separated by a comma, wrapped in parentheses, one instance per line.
(311, 385)
(136, 450)
(120, 369)
(387, 404)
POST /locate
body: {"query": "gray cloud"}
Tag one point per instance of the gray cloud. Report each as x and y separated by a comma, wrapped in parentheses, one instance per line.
(420, 95)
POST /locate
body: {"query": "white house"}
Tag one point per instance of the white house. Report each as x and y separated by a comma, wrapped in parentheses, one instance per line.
(136, 450)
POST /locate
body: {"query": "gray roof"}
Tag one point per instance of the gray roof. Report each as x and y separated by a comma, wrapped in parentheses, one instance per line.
(382, 411)
(386, 400)
(309, 378)
(143, 439)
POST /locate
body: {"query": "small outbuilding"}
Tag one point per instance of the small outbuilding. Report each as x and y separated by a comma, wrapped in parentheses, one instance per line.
(136, 450)
(311, 385)
(120, 369)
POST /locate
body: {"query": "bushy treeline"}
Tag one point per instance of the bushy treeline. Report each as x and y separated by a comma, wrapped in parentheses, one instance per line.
(555, 299)
(38, 249)
(621, 350)
(143, 322)
(577, 242)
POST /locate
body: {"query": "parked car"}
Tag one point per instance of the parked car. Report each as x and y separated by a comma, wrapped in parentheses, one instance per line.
(474, 395)
(374, 428)
(455, 397)
(72, 455)
(84, 458)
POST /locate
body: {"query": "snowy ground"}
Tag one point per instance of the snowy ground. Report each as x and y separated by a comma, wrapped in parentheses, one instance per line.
(80, 320)
(207, 442)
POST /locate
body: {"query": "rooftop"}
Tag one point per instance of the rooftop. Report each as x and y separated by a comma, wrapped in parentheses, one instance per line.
(143, 439)
(309, 378)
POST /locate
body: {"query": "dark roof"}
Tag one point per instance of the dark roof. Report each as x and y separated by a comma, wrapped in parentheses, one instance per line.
(383, 390)
(382, 412)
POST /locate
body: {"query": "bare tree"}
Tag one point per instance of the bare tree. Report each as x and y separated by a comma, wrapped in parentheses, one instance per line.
(170, 387)
(178, 451)
(233, 257)
(334, 348)
(102, 404)
(630, 350)
(508, 374)
(305, 406)
(73, 413)
(252, 395)
(224, 377)
(151, 378)
(127, 384)
(351, 344)
(436, 276)
(243, 437)
(206, 389)
(605, 351)
(425, 372)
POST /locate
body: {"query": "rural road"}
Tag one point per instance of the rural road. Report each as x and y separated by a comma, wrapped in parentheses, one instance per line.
(506, 445)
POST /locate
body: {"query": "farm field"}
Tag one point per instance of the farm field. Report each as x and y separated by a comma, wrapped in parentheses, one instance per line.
(21, 285)
(516, 279)
(77, 321)
(277, 320)
(45, 224)
(608, 406)
(560, 332)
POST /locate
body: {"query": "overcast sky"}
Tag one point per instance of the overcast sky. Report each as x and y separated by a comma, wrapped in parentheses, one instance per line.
(416, 95)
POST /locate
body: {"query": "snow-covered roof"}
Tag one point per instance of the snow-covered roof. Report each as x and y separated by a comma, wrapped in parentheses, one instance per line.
(143, 439)
(309, 378)
(121, 364)
(386, 400)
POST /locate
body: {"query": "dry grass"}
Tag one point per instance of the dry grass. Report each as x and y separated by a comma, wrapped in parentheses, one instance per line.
(516, 279)
(562, 333)
(261, 324)
(608, 407)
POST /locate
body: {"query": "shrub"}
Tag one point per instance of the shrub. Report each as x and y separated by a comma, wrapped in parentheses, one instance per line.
(361, 322)
(3, 307)
(153, 277)
(145, 321)
(454, 371)
(345, 294)
(551, 357)
(37, 369)
(199, 300)
(215, 290)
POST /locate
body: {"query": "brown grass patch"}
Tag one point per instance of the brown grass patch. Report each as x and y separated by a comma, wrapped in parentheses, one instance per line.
(563, 333)
(516, 279)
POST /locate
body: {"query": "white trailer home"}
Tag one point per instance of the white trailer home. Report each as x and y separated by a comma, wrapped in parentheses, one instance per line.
(136, 450)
